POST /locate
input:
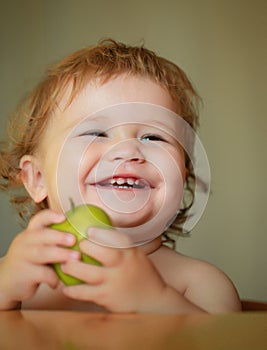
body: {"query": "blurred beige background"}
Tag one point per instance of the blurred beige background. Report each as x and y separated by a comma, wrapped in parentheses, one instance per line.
(222, 47)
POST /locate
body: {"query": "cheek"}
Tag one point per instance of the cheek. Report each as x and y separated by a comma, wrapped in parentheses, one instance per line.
(171, 166)
(89, 161)
(170, 162)
(74, 162)
(79, 165)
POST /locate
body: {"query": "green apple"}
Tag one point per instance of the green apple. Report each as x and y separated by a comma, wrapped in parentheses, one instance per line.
(78, 220)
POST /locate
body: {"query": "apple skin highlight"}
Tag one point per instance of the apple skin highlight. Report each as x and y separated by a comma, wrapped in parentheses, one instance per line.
(78, 220)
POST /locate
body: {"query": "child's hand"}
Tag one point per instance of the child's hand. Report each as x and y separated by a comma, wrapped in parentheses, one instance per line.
(26, 264)
(127, 281)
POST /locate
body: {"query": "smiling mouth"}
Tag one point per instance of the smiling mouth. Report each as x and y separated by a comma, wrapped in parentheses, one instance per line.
(127, 183)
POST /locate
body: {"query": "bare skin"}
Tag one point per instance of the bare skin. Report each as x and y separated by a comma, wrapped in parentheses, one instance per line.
(151, 278)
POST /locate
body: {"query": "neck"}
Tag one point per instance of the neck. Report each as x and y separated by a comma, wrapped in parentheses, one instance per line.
(152, 246)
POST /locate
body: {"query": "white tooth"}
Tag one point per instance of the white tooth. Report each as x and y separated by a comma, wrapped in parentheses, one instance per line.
(120, 181)
(112, 181)
(136, 182)
(130, 182)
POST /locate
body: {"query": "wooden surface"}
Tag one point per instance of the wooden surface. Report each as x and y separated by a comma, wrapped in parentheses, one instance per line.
(252, 305)
(64, 330)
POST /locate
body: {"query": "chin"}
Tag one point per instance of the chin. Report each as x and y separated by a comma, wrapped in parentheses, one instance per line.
(127, 219)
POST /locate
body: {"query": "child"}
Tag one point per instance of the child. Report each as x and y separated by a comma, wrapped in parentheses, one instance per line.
(76, 136)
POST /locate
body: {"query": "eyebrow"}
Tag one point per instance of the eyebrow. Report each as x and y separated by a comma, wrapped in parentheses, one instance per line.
(95, 118)
(161, 125)
(88, 119)
(103, 118)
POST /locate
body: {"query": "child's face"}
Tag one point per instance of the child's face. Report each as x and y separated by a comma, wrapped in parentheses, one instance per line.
(108, 150)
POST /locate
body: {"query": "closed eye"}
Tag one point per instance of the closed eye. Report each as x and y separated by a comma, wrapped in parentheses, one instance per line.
(152, 137)
(94, 133)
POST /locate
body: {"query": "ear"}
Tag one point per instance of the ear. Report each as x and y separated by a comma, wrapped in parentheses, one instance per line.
(32, 178)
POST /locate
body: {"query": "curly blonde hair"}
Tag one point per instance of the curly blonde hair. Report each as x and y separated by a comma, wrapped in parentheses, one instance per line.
(104, 61)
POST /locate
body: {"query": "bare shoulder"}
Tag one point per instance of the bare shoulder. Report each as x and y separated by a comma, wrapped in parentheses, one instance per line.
(199, 281)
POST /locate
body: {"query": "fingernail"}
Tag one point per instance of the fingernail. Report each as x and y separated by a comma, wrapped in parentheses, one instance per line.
(75, 255)
(91, 233)
(71, 239)
(60, 217)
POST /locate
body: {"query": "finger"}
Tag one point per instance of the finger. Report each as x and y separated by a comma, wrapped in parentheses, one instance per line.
(109, 238)
(90, 274)
(40, 255)
(47, 275)
(51, 237)
(85, 292)
(45, 218)
(107, 256)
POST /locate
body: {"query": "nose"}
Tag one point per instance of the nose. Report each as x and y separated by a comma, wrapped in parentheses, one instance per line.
(126, 151)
